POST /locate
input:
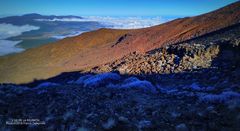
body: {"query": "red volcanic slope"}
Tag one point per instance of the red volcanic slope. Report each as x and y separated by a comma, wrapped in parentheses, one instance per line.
(106, 45)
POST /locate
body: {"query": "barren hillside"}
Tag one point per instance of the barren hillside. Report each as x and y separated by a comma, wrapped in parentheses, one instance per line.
(106, 45)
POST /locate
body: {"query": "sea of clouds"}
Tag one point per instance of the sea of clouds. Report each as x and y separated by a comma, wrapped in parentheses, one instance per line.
(116, 22)
(110, 22)
(68, 35)
(9, 30)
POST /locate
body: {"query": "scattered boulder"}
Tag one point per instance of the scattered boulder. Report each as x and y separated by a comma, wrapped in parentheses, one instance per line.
(47, 84)
(133, 82)
(220, 98)
(181, 127)
(144, 124)
(110, 123)
(101, 79)
(81, 79)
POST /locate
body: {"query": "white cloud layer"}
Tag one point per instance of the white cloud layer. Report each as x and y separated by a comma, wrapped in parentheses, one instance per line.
(69, 35)
(117, 22)
(7, 47)
(63, 19)
(9, 30)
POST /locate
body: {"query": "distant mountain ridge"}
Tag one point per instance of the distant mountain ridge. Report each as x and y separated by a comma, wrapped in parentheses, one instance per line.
(37, 16)
(25, 19)
(103, 46)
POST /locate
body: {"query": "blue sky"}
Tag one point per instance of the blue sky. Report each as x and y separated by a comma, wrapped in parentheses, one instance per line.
(111, 7)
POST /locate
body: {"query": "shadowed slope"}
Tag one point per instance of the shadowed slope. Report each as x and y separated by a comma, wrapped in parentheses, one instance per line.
(106, 45)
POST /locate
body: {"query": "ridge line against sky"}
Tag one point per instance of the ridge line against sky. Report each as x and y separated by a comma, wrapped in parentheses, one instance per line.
(111, 7)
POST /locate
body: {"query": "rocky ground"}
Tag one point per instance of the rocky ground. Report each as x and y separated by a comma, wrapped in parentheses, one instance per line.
(114, 102)
(188, 86)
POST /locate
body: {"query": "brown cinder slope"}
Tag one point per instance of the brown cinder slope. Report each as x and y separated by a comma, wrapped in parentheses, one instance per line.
(106, 45)
(49, 60)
